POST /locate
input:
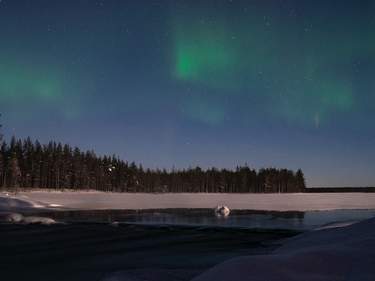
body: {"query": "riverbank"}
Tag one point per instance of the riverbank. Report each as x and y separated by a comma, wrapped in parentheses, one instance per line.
(94, 200)
(340, 254)
(170, 252)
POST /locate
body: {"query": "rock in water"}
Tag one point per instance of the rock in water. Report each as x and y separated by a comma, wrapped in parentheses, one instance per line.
(222, 211)
(14, 218)
(18, 218)
(38, 220)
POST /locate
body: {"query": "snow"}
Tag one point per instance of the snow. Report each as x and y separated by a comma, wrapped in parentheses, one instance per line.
(10, 204)
(271, 202)
(35, 219)
(336, 225)
(13, 217)
(346, 253)
(54, 205)
(18, 202)
(340, 251)
(222, 211)
(19, 218)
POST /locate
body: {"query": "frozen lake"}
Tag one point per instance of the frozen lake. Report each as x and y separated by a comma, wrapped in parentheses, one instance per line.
(93, 200)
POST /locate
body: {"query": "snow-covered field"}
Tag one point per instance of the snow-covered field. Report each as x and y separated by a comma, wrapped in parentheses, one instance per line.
(271, 202)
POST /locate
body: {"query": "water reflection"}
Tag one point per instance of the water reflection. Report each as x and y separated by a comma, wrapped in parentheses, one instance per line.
(207, 217)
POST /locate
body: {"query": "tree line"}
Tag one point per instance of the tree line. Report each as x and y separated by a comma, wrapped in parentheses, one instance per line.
(30, 164)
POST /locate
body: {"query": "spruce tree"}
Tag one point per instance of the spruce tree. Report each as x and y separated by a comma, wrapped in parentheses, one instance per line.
(300, 181)
(2, 166)
(14, 172)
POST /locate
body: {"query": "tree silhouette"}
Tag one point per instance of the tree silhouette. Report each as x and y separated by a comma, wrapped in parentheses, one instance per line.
(28, 164)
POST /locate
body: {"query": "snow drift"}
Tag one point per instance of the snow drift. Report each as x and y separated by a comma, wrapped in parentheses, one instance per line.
(19, 218)
(334, 254)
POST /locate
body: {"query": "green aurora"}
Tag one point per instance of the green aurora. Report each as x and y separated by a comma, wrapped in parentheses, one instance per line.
(300, 70)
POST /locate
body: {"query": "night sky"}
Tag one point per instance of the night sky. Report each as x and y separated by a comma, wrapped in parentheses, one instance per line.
(182, 83)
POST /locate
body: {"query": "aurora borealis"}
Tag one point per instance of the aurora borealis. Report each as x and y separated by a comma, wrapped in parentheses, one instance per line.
(177, 83)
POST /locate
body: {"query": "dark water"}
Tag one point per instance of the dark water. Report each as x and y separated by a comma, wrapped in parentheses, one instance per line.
(152, 245)
(206, 217)
(92, 251)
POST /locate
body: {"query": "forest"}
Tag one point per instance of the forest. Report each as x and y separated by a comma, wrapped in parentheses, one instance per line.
(30, 164)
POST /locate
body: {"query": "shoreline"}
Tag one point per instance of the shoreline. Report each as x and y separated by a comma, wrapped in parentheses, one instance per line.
(261, 254)
(95, 200)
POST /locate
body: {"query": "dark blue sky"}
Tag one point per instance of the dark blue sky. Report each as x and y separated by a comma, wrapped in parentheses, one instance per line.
(181, 83)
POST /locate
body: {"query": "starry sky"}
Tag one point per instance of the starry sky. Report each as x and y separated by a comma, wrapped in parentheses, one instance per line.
(279, 83)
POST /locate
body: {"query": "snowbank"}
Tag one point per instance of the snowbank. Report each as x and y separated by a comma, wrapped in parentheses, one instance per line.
(271, 202)
(18, 202)
(346, 253)
(18, 218)
(11, 204)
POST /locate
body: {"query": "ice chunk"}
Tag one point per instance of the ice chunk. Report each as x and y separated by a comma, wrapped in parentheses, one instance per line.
(40, 220)
(19, 218)
(14, 218)
(222, 211)
(54, 205)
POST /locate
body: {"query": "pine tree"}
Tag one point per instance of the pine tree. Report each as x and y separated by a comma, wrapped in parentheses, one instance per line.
(2, 165)
(14, 172)
(300, 181)
(30, 164)
(2, 170)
